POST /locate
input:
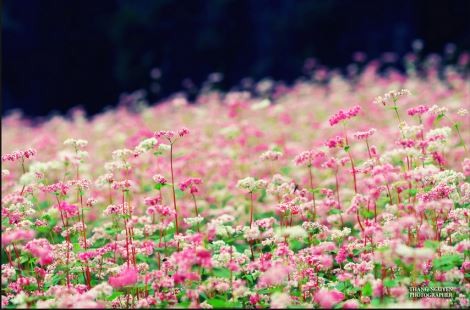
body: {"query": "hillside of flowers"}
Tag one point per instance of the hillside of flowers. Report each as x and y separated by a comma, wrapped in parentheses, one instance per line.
(334, 192)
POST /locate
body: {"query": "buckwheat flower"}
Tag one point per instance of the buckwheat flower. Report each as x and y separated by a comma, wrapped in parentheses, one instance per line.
(17, 235)
(122, 154)
(438, 133)
(91, 202)
(17, 155)
(5, 172)
(252, 233)
(392, 95)
(261, 184)
(126, 277)
(27, 178)
(159, 179)
(310, 158)
(145, 145)
(68, 210)
(76, 143)
(112, 209)
(164, 210)
(58, 188)
(152, 201)
(190, 183)
(248, 183)
(466, 167)
(280, 300)
(191, 221)
(183, 132)
(448, 177)
(462, 112)
(441, 191)
(361, 135)
(419, 110)
(327, 299)
(293, 232)
(437, 110)
(271, 155)
(342, 115)
(338, 141)
(42, 249)
(410, 132)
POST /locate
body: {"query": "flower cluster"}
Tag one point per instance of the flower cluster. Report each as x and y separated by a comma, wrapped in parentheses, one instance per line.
(266, 206)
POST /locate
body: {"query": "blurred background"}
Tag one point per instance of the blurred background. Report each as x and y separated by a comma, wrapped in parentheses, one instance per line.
(60, 54)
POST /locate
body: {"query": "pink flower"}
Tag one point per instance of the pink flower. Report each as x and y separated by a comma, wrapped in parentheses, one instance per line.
(69, 210)
(351, 304)
(419, 110)
(361, 135)
(191, 184)
(327, 299)
(466, 167)
(16, 155)
(17, 235)
(159, 179)
(335, 142)
(126, 277)
(183, 132)
(309, 158)
(152, 201)
(42, 249)
(343, 115)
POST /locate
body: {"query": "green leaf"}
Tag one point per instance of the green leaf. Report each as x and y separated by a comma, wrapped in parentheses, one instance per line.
(367, 214)
(221, 272)
(346, 148)
(367, 289)
(286, 170)
(114, 295)
(263, 195)
(390, 282)
(431, 244)
(334, 211)
(222, 303)
(412, 192)
(179, 193)
(447, 262)
(439, 117)
(296, 245)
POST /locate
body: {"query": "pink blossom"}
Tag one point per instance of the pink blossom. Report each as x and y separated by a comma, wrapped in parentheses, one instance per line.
(342, 115)
(126, 277)
(327, 299)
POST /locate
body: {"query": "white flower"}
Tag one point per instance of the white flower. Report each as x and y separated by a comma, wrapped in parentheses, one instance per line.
(248, 183)
(76, 143)
(146, 145)
(122, 154)
(442, 131)
(193, 220)
(261, 105)
(448, 176)
(164, 147)
(294, 232)
(437, 110)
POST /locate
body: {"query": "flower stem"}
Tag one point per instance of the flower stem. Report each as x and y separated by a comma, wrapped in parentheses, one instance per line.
(173, 188)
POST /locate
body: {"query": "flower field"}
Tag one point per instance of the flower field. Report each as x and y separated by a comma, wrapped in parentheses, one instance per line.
(333, 193)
